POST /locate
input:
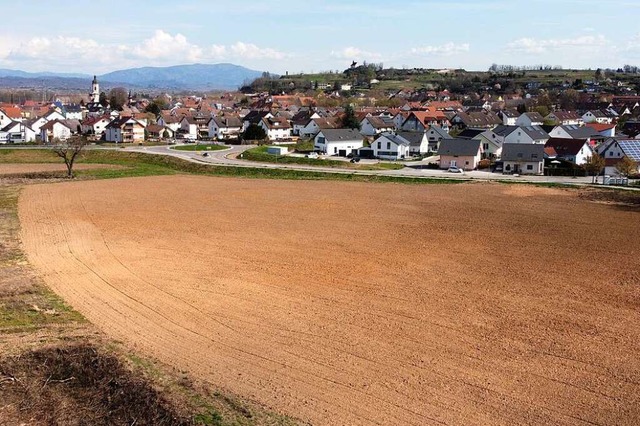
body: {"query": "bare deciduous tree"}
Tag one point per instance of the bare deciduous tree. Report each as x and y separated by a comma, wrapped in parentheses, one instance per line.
(68, 150)
(626, 166)
(594, 166)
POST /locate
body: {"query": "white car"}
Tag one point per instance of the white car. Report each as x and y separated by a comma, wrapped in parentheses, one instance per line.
(455, 169)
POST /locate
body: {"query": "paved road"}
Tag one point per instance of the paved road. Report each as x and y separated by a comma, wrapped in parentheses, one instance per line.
(227, 158)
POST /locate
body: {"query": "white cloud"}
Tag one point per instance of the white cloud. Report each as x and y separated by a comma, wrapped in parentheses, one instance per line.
(354, 53)
(251, 51)
(162, 48)
(63, 47)
(165, 46)
(531, 45)
(446, 49)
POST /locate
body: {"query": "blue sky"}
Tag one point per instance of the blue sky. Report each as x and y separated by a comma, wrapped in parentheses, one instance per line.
(288, 35)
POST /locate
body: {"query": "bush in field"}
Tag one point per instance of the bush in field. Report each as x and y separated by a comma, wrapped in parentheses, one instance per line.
(484, 164)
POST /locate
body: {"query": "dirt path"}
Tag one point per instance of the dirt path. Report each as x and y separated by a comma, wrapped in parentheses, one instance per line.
(348, 303)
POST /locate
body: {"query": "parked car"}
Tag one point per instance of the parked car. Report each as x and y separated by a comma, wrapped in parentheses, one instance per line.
(355, 160)
(454, 169)
(205, 154)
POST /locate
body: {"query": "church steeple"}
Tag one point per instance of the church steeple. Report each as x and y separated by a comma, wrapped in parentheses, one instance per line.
(95, 90)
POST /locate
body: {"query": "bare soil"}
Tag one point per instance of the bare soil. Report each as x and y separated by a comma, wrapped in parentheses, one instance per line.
(21, 169)
(356, 303)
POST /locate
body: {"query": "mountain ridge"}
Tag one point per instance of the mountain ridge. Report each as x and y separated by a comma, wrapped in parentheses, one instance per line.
(190, 76)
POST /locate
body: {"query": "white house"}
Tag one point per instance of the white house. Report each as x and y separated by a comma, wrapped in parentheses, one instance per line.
(491, 143)
(56, 129)
(224, 127)
(615, 150)
(189, 128)
(54, 114)
(371, 126)
(524, 159)
(573, 150)
(170, 121)
(390, 146)
(125, 130)
(522, 134)
(509, 117)
(418, 142)
(435, 135)
(276, 128)
(17, 132)
(340, 142)
(530, 119)
(314, 125)
(95, 125)
(575, 132)
(566, 118)
(9, 114)
(597, 116)
(36, 124)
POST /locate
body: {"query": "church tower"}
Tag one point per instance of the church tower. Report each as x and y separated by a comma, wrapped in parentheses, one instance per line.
(95, 91)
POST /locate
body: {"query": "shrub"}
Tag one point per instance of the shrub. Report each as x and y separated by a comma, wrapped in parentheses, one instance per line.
(484, 164)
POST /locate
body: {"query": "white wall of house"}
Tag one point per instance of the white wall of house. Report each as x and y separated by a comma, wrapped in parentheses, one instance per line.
(518, 136)
(310, 130)
(59, 131)
(423, 148)
(369, 130)
(190, 130)
(75, 115)
(589, 117)
(389, 150)
(5, 120)
(277, 133)
(524, 120)
(524, 167)
(491, 147)
(334, 148)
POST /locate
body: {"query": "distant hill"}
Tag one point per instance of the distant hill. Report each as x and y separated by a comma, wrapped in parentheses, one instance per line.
(179, 77)
(197, 76)
(23, 74)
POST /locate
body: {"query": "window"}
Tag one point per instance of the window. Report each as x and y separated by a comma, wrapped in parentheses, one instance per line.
(485, 146)
(321, 139)
(529, 167)
(379, 145)
(610, 153)
(388, 145)
(466, 163)
(335, 149)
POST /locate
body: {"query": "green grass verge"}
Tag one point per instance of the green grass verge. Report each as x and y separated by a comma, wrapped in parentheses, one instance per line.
(259, 154)
(200, 147)
(28, 305)
(136, 164)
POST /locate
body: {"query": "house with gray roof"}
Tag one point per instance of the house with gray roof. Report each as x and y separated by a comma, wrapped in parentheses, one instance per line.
(340, 142)
(435, 135)
(390, 146)
(418, 142)
(524, 159)
(577, 132)
(462, 153)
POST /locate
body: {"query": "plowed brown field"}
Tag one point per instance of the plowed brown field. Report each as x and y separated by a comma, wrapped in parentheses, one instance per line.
(12, 169)
(356, 303)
